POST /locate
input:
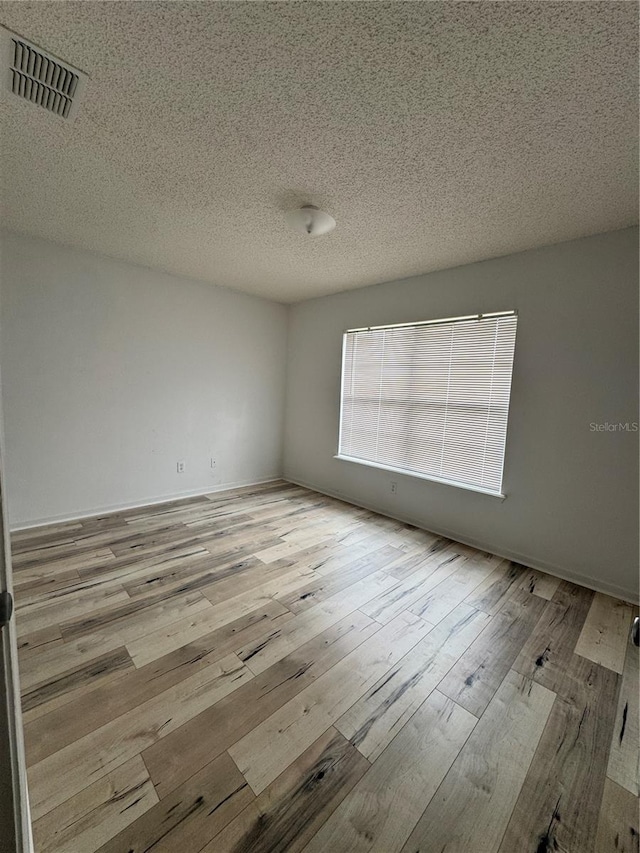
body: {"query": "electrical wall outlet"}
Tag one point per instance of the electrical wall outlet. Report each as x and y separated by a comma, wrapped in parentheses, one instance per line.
(180, 467)
(394, 488)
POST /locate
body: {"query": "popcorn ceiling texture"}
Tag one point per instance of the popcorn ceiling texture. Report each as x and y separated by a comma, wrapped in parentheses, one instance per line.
(436, 133)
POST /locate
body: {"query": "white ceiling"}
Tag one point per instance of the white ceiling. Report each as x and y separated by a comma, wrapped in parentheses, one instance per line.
(436, 133)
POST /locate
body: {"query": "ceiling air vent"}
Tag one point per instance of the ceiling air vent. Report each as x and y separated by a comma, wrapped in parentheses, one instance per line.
(38, 77)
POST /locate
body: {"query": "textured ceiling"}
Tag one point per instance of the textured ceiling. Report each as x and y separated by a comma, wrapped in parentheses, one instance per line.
(436, 133)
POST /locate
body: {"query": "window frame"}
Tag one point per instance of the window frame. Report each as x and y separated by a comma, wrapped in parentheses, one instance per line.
(501, 495)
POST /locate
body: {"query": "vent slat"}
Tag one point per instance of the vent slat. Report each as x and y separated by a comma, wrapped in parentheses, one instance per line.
(56, 76)
(73, 85)
(31, 62)
(50, 67)
(36, 66)
(66, 108)
(22, 56)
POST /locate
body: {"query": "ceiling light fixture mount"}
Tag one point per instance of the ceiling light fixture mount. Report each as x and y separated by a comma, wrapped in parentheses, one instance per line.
(310, 220)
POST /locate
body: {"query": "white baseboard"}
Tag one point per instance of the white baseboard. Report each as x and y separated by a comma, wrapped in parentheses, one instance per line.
(531, 562)
(153, 501)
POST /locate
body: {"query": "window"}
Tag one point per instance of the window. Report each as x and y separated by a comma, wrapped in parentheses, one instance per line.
(431, 398)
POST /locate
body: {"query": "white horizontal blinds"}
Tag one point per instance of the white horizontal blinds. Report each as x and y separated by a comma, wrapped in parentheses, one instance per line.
(432, 399)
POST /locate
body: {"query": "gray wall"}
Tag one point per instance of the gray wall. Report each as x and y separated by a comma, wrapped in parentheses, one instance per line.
(572, 493)
(113, 373)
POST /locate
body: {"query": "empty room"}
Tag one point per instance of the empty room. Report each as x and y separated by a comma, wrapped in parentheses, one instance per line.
(319, 430)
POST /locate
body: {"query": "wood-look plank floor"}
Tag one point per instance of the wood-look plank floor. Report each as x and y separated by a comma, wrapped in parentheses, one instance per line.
(270, 670)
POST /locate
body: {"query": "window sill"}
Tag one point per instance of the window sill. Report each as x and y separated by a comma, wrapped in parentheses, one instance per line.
(418, 476)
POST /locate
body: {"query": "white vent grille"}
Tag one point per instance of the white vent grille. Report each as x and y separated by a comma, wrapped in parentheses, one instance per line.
(40, 78)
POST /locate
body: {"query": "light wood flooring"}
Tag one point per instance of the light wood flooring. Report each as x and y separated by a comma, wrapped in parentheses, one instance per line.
(273, 670)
